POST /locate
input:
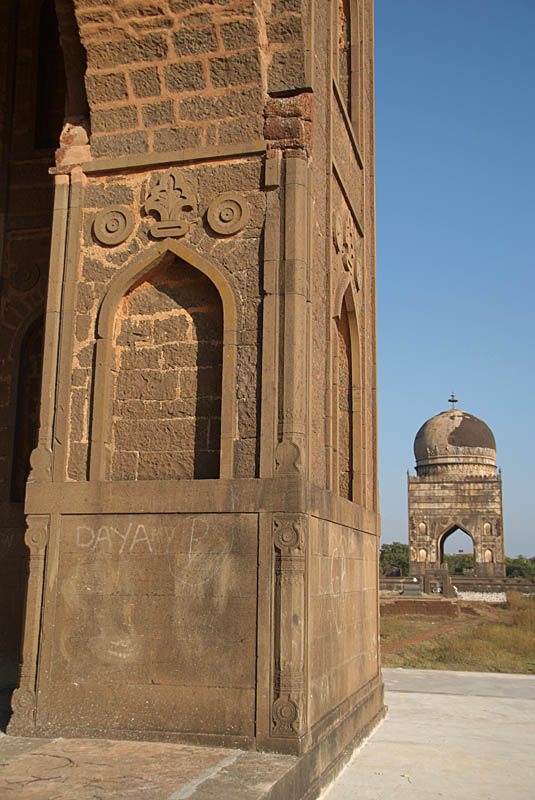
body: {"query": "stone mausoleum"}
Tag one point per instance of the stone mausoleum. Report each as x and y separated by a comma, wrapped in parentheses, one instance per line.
(456, 487)
(189, 503)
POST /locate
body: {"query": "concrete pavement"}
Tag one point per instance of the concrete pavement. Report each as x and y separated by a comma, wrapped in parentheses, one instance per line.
(455, 735)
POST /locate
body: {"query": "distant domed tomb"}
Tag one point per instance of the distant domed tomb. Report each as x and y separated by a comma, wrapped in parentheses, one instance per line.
(456, 487)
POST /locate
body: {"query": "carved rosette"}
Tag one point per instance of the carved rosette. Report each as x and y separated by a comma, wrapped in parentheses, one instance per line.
(24, 277)
(228, 213)
(23, 704)
(289, 707)
(113, 225)
(36, 536)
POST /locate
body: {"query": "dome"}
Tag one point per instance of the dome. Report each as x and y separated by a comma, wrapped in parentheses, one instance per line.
(455, 442)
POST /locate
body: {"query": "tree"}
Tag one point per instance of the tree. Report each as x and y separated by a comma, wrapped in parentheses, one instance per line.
(520, 567)
(458, 562)
(394, 559)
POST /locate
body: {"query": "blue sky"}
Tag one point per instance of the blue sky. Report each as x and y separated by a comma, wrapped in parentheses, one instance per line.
(455, 145)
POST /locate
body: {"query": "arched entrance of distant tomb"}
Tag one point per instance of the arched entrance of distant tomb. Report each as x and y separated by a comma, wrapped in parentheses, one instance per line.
(456, 550)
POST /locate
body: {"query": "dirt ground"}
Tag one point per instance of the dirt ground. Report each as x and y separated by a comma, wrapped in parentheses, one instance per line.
(478, 636)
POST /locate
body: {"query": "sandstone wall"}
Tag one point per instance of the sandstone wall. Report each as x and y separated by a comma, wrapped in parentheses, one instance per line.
(202, 506)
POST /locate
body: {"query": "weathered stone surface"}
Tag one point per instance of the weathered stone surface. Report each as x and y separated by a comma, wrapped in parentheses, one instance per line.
(177, 138)
(239, 34)
(233, 104)
(119, 144)
(185, 77)
(287, 71)
(152, 47)
(188, 42)
(158, 114)
(146, 82)
(106, 88)
(235, 70)
(456, 488)
(114, 119)
(197, 404)
(100, 196)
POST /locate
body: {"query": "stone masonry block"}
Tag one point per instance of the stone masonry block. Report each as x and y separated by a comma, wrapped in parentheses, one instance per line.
(146, 385)
(152, 47)
(286, 30)
(180, 355)
(146, 82)
(134, 330)
(120, 144)
(287, 71)
(179, 6)
(114, 119)
(156, 435)
(158, 114)
(204, 382)
(77, 469)
(184, 77)
(97, 17)
(124, 466)
(163, 409)
(236, 130)
(178, 464)
(140, 10)
(95, 271)
(233, 104)
(277, 128)
(106, 88)
(99, 196)
(240, 34)
(176, 138)
(82, 327)
(175, 329)
(281, 6)
(86, 355)
(78, 403)
(235, 70)
(85, 297)
(141, 357)
(187, 41)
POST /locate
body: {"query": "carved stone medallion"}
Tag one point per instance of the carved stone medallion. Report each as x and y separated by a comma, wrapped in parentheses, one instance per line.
(228, 213)
(285, 716)
(23, 702)
(24, 276)
(113, 225)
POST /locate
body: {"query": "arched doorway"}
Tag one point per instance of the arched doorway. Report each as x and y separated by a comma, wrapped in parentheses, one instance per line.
(456, 550)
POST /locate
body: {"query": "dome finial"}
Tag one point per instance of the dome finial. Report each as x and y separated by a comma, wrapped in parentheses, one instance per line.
(453, 400)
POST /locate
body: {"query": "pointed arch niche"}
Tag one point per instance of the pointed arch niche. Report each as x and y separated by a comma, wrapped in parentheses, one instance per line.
(347, 57)
(347, 436)
(165, 371)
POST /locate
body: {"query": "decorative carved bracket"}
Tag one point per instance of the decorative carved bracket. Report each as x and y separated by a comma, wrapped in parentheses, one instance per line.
(24, 699)
(346, 244)
(169, 196)
(288, 458)
(289, 704)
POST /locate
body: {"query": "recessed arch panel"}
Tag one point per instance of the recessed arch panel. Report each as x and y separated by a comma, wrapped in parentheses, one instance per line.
(176, 298)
